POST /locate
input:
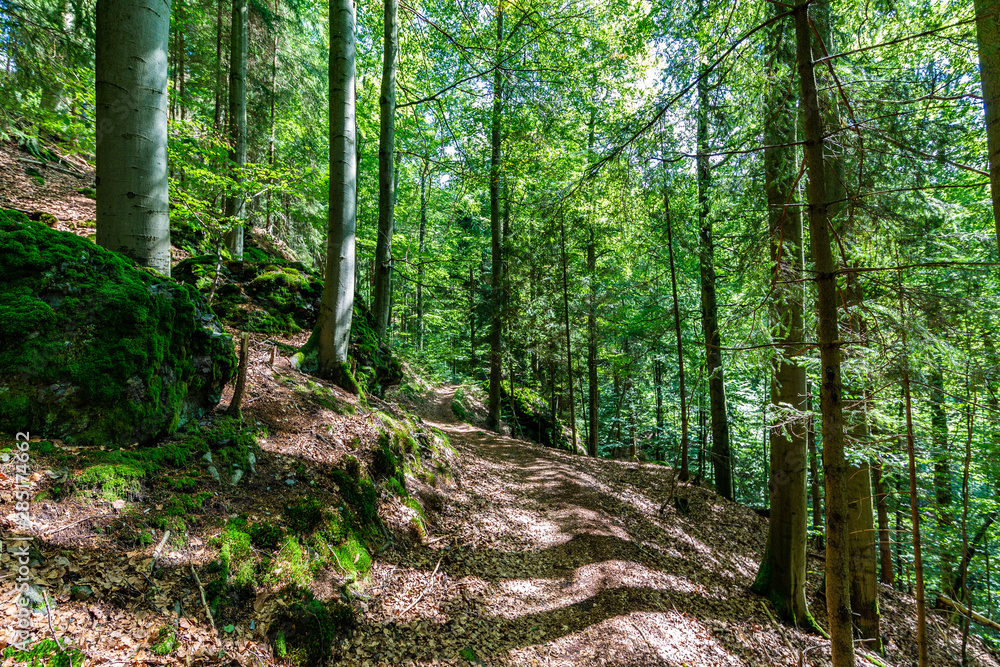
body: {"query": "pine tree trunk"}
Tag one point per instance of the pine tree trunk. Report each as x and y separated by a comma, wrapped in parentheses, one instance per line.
(132, 101)
(337, 306)
(782, 572)
(721, 455)
(838, 602)
(814, 485)
(237, 122)
(918, 563)
(496, 279)
(684, 473)
(386, 183)
(268, 221)
(988, 37)
(217, 114)
(422, 250)
(942, 480)
(181, 64)
(569, 340)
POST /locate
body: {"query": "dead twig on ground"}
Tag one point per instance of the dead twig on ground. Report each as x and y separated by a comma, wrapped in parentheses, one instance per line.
(430, 583)
(59, 530)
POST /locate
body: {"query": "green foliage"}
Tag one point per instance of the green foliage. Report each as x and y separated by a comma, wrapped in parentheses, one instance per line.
(113, 481)
(94, 349)
(266, 535)
(45, 654)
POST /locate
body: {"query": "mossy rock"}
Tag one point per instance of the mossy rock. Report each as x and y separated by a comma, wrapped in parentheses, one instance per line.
(308, 630)
(94, 349)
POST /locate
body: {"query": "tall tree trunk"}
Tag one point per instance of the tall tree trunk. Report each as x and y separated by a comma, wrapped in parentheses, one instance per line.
(721, 455)
(942, 480)
(496, 279)
(988, 37)
(658, 388)
(237, 122)
(337, 305)
(569, 341)
(217, 115)
(684, 473)
(593, 396)
(473, 362)
(885, 539)
(131, 74)
(423, 249)
(782, 572)
(181, 64)
(268, 221)
(386, 183)
(838, 601)
(918, 563)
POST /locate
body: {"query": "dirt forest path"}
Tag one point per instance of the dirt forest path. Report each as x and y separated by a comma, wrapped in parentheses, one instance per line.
(539, 557)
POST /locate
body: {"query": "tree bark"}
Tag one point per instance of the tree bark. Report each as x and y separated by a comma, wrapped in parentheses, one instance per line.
(496, 279)
(569, 340)
(684, 473)
(237, 122)
(782, 574)
(721, 455)
(838, 602)
(942, 480)
(918, 563)
(386, 182)
(131, 75)
(814, 485)
(217, 111)
(988, 38)
(337, 305)
(593, 394)
(423, 249)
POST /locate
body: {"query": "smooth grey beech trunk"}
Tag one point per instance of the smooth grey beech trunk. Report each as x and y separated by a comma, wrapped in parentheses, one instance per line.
(386, 182)
(131, 76)
(237, 119)
(337, 305)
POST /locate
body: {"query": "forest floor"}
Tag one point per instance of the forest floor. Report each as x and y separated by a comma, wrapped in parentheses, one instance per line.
(532, 556)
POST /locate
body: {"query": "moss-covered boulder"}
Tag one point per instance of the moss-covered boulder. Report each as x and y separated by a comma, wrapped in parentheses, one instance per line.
(96, 350)
(268, 296)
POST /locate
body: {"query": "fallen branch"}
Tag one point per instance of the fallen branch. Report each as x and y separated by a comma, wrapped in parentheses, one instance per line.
(48, 612)
(430, 583)
(208, 612)
(968, 613)
(59, 530)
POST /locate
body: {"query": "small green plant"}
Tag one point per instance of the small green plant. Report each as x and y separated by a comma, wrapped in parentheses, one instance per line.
(166, 642)
(113, 482)
(266, 535)
(305, 515)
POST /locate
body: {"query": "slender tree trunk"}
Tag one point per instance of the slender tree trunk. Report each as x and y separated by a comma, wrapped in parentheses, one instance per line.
(181, 64)
(337, 305)
(884, 536)
(593, 396)
(237, 122)
(473, 362)
(942, 480)
(217, 115)
(271, 134)
(782, 574)
(569, 341)
(988, 37)
(131, 75)
(423, 250)
(838, 602)
(973, 550)
(658, 382)
(386, 183)
(918, 563)
(721, 455)
(963, 573)
(496, 279)
(684, 474)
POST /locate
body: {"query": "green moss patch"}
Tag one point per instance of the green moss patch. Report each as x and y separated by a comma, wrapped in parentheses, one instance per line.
(307, 632)
(45, 654)
(96, 350)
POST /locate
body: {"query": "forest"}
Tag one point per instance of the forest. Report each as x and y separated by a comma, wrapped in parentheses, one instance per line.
(728, 262)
